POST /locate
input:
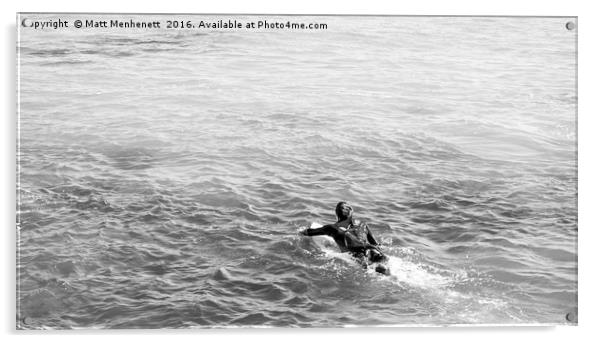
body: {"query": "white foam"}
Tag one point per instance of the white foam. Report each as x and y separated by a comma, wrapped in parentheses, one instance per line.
(439, 284)
(413, 274)
(402, 271)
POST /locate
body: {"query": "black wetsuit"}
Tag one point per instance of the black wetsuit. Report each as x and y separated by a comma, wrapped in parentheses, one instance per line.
(356, 238)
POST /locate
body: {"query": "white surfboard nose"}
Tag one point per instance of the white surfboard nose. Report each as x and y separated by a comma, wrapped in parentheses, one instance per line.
(315, 225)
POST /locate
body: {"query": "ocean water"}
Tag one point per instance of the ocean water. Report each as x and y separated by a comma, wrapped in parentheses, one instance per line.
(164, 174)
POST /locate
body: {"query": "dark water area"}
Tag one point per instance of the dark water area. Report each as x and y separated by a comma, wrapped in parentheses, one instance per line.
(164, 175)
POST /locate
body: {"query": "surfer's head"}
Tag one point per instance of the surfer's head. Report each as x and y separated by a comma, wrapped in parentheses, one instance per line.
(343, 211)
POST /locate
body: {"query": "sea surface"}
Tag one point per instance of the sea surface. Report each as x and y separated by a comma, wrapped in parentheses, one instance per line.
(163, 175)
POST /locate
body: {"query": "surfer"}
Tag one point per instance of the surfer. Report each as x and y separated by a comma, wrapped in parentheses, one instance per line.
(352, 236)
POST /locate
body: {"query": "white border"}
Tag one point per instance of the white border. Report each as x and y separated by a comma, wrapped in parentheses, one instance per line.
(589, 172)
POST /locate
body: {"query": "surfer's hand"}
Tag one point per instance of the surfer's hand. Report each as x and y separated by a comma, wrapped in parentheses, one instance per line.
(303, 231)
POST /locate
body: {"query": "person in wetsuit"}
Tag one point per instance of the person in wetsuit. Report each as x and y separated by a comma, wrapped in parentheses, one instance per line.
(352, 236)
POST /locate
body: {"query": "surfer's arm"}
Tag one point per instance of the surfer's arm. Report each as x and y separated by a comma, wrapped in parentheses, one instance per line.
(361, 247)
(370, 237)
(368, 246)
(324, 230)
